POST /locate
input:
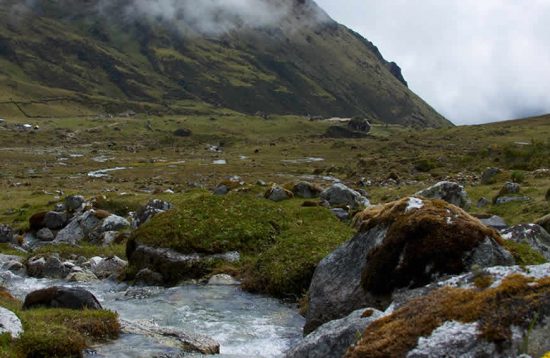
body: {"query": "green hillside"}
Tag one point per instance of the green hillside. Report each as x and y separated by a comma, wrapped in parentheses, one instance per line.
(64, 58)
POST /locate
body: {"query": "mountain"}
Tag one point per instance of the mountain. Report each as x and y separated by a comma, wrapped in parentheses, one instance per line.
(170, 56)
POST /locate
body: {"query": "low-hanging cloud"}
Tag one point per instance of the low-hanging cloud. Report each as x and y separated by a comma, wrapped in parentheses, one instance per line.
(474, 61)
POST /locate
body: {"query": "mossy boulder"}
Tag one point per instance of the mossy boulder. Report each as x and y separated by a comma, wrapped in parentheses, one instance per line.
(404, 244)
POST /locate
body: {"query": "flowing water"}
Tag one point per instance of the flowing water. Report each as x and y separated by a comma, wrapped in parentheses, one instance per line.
(245, 325)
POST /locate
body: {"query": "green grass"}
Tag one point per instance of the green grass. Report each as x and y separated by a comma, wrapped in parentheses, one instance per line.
(86, 250)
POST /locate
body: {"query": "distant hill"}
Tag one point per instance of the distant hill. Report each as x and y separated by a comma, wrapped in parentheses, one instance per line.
(272, 56)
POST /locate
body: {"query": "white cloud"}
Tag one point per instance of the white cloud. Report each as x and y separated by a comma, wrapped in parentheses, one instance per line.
(474, 61)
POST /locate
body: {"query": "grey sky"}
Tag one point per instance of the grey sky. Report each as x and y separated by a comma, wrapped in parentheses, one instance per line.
(473, 60)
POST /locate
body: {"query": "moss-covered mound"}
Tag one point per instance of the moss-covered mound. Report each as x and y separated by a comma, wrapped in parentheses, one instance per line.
(424, 237)
(57, 332)
(518, 301)
(280, 243)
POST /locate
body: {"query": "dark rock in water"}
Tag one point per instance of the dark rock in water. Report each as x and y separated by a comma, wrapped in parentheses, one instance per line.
(6, 234)
(404, 244)
(182, 132)
(531, 234)
(359, 124)
(172, 265)
(544, 222)
(341, 214)
(343, 132)
(306, 190)
(509, 199)
(152, 208)
(494, 221)
(451, 192)
(47, 267)
(278, 193)
(339, 195)
(45, 234)
(62, 297)
(54, 220)
(148, 277)
(74, 202)
(333, 339)
(36, 221)
(488, 176)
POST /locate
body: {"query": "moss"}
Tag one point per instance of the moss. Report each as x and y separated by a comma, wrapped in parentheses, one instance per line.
(67, 251)
(436, 236)
(515, 302)
(58, 332)
(524, 254)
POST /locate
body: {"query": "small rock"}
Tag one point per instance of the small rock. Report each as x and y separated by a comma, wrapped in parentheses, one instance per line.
(494, 221)
(277, 193)
(74, 202)
(509, 199)
(488, 176)
(339, 195)
(483, 202)
(510, 188)
(152, 208)
(223, 280)
(182, 132)
(221, 190)
(61, 297)
(341, 214)
(84, 276)
(114, 223)
(45, 234)
(10, 323)
(451, 192)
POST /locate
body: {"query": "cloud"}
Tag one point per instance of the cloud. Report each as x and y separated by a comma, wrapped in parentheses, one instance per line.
(474, 61)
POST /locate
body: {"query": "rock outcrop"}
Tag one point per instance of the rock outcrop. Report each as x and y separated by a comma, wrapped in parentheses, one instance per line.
(404, 244)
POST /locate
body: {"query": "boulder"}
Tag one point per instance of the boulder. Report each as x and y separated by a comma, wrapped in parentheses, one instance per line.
(74, 202)
(403, 244)
(340, 213)
(359, 124)
(45, 234)
(509, 199)
(483, 202)
(61, 297)
(510, 188)
(451, 192)
(494, 221)
(54, 220)
(6, 234)
(113, 223)
(111, 266)
(531, 234)
(488, 176)
(152, 208)
(306, 190)
(36, 221)
(48, 267)
(71, 234)
(223, 280)
(174, 337)
(333, 339)
(10, 323)
(339, 195)
(278, 193)
(544, 222)
(172, 265)
(81, 276)
(90, 224)
(148, 277)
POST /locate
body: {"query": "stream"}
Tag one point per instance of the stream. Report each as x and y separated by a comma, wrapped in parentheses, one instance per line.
(245, 325)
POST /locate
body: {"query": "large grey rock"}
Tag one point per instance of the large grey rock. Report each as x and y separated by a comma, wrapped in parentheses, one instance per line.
(48, 267)
(114, 223)
(6, 234)
(79, 228)
(61, 297)
(74, 202)
(54, 220)
(152, 208)
(531, 234)
(494, 221)
(333, 339)
(451, 192)
(339, 195)
(335, 289)
(172, 265)
(306, 190)
(172, 337)
(111, 266)
(278, 193)
(10, 323)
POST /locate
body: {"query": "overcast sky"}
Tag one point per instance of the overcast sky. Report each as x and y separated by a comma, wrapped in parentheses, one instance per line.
(474, 61)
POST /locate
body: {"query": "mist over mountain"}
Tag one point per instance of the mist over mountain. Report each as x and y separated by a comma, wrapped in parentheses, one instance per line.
(272, 56)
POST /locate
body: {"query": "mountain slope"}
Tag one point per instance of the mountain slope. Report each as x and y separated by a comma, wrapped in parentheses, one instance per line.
(117, 55)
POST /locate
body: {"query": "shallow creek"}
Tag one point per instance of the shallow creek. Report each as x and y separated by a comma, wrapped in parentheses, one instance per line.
(245, 325)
